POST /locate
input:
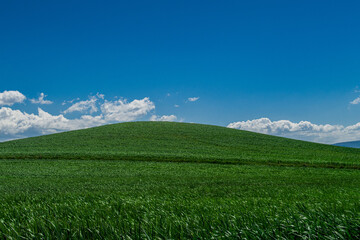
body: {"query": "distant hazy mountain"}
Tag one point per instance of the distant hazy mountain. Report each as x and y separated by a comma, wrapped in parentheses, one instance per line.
(354, 144)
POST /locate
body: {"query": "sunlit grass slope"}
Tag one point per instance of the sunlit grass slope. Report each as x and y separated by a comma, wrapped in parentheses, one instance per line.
(60, 186)
(96, 199)
(165, 141)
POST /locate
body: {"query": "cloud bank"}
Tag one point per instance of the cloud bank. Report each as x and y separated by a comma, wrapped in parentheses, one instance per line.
(19, 124)
(97, 110)
(302, 130)
(9, 98)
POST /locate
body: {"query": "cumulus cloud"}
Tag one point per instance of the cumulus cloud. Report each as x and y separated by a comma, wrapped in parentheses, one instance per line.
(164, 118)
(17, 124)
(83, 106)
(193, 99)
(41, 100)
(121, 110)
(9, 98)
(302, 130)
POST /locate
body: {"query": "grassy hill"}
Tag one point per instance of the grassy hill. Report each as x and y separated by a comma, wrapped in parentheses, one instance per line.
(59, 186)
(166, 141)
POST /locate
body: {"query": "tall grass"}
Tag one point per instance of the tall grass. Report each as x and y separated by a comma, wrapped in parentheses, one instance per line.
(80, 199)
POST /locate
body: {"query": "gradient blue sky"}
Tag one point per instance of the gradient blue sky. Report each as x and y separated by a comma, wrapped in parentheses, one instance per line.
(282, 60)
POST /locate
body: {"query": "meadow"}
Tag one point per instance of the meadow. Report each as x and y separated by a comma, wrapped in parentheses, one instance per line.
(181, 142)
(204, 196)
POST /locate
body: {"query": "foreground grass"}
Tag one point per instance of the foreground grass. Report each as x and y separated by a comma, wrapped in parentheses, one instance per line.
(164, 141)
(131, 200)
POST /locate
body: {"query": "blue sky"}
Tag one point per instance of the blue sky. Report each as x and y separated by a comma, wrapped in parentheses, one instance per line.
(245, 60)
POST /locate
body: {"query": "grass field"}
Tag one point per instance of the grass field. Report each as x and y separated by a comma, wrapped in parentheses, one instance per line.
(166, 141)
(78, 195)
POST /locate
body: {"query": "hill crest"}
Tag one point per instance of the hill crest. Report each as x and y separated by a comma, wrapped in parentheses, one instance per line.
(185, 142)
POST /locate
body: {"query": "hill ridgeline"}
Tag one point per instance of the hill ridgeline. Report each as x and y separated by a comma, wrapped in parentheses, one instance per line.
(181, 142)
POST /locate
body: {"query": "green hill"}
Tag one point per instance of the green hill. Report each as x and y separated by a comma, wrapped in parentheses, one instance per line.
(59, 186)
(166, 141)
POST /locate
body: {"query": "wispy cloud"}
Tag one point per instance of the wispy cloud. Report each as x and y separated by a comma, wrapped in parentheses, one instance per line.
(83, 106)
(70, 101)
(100, 96)
(193, 99)
(9, 98)
(41, 100)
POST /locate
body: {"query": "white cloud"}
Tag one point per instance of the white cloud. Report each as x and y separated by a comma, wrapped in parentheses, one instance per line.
(18, 124)
(193, 99)
(355, 101)
(9, 98)
(41, 100)
(164, 118)
(15, 122)
(83, 106)
(100, 96)
(71, 101)
(176, 105)
(303, 130)
(121, 110)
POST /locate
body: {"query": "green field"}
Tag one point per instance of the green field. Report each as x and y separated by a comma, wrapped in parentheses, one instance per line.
(151, 180)
(184, 142)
